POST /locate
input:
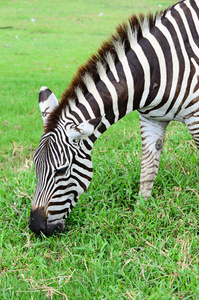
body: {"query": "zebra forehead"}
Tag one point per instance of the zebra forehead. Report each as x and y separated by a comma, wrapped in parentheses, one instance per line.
(126, 35)
(47, 145)
(52, 156)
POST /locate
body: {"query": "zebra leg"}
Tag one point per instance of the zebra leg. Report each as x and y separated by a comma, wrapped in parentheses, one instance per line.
(153, 135)
(192, 123)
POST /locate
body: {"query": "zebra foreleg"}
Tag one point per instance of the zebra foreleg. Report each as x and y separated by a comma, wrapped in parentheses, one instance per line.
(153, 135)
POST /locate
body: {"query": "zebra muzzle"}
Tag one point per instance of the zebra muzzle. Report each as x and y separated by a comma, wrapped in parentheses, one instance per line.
(38, 223)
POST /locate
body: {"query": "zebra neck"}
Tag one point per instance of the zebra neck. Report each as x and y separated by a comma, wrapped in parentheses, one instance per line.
(116, 93)
(116, 81)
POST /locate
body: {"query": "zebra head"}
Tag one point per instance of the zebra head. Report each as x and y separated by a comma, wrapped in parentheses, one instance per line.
(63, 169)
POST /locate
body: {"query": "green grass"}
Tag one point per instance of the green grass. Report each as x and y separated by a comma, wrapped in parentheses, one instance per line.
(112, 248)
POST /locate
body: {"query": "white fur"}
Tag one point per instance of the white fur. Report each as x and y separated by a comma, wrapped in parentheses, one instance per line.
(112, 67)
(132, 36)
(145, 26)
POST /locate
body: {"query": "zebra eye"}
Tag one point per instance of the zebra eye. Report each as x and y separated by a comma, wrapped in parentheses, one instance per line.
(61, 171)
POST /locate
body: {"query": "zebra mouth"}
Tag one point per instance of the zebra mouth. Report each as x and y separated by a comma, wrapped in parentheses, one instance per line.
(54, 228)
(38, 223)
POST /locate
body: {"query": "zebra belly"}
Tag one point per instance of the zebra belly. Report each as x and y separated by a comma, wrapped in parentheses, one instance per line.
(180, 111)
(159, 115)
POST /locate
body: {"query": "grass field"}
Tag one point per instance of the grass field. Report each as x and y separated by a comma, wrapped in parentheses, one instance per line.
(112, 248)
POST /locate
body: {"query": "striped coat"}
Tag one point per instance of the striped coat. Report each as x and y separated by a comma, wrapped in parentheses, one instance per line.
(151, 64)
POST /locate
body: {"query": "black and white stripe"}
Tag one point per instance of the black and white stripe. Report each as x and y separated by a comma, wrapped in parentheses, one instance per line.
(150, 65)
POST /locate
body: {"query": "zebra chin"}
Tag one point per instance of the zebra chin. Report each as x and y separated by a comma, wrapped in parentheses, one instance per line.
(38, 223)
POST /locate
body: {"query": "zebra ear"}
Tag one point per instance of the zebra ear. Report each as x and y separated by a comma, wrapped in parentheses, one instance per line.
(47, 102)
(84, 129)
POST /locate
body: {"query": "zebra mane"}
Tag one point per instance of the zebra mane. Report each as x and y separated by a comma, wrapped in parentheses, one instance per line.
(127, 34)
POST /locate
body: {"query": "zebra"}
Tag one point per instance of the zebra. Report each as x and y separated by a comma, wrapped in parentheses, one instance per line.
(150, 64)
